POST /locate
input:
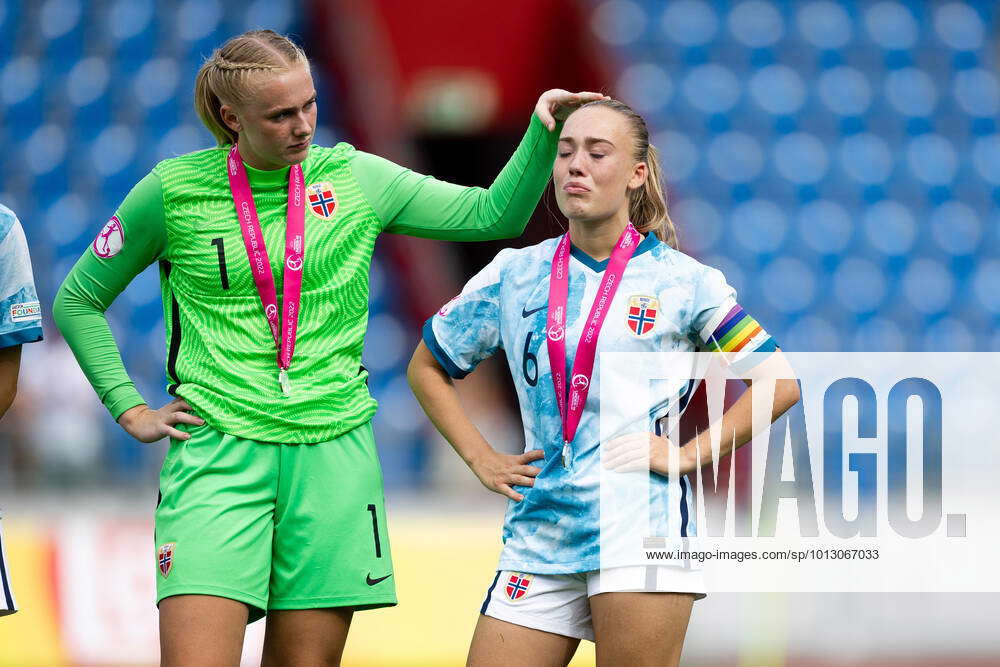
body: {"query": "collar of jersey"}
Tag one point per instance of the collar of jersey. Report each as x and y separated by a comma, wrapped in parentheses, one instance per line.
(647, 243)
(267, 178)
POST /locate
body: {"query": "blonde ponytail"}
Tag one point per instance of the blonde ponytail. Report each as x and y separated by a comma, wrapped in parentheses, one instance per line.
(647, 206)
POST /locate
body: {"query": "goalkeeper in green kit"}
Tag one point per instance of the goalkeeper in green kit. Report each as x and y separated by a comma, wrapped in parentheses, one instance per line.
(271, 491)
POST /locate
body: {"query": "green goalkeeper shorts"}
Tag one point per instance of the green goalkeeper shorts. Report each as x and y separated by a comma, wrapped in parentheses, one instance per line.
(275, 526)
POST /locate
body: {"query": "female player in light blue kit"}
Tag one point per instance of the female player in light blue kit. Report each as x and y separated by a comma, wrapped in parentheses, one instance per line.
(614, 283)
(20, 322)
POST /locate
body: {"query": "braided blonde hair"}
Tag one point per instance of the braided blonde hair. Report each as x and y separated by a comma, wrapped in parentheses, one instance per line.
(647, 206)
(227, 76)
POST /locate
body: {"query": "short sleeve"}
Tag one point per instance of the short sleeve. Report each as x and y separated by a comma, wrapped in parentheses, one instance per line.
(467, 329)
(719, 323)
(20, 310)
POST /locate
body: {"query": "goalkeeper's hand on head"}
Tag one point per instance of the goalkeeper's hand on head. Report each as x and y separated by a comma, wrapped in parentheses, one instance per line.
(556, 104)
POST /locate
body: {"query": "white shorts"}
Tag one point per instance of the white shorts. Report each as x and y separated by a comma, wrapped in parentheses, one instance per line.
(560, 603)
(7, 603)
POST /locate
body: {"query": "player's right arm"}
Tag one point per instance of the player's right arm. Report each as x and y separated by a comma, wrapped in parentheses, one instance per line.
(100, 275)
(20, 313)
(462, 334)
(436, 394)
(10, 364)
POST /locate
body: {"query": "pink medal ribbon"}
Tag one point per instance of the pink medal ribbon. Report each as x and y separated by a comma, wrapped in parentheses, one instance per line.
(583, 364)
(260, 265)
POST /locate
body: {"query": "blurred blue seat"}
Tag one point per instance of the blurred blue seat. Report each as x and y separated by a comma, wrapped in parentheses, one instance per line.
(10, 21)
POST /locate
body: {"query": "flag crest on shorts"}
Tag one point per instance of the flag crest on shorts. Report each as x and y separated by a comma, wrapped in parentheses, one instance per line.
(517, 585)
(641, 316)
(165, 558)
(322, 199)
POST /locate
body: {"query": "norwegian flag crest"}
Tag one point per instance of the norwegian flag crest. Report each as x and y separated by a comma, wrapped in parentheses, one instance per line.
(322, 199)
(517, 585)
(641, 316)
(165, 558)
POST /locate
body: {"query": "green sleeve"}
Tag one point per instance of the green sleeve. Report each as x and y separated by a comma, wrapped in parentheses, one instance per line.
(93, 284)
(419, 205)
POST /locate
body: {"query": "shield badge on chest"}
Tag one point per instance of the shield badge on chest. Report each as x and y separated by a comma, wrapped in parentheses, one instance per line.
(641, 317)
(322, 199)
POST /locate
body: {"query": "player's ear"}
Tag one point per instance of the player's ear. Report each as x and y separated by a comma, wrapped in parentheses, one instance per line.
(230, 118)
(639, 174)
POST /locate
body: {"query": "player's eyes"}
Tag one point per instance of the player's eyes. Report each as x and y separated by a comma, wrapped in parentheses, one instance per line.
(563, 154)
(597, 156)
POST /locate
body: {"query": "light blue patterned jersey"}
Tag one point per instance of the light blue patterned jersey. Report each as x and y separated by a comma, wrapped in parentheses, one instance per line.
(20, 312)
(666, 301)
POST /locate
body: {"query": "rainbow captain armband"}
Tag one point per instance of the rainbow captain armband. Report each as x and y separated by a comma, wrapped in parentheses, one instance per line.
(735, 333)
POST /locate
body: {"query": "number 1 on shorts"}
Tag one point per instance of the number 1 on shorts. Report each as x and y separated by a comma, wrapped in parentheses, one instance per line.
(378, 545)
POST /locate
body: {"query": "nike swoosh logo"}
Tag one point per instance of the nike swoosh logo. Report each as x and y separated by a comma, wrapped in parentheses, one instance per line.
(527, 313)
(372, 582)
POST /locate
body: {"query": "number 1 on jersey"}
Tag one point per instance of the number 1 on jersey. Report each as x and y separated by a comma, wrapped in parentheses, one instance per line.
(220, 245)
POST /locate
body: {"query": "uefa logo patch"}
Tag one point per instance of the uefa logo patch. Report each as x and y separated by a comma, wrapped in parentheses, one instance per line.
(110, 240)
(517, 586)
(446, 308)
(165, 558)
(641, 317)
(322, 199)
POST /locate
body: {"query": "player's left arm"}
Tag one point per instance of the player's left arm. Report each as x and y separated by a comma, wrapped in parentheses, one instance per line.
(629, 453)
(418, 205)
(719, 325)
(736, 424)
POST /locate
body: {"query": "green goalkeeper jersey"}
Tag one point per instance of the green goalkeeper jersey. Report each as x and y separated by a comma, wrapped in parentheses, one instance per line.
(221, 356)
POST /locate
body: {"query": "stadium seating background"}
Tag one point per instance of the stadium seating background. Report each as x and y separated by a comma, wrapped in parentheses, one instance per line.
(840, 162)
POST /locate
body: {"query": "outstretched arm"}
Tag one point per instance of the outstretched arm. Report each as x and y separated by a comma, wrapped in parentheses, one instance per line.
(437, 396)
(418, 205)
